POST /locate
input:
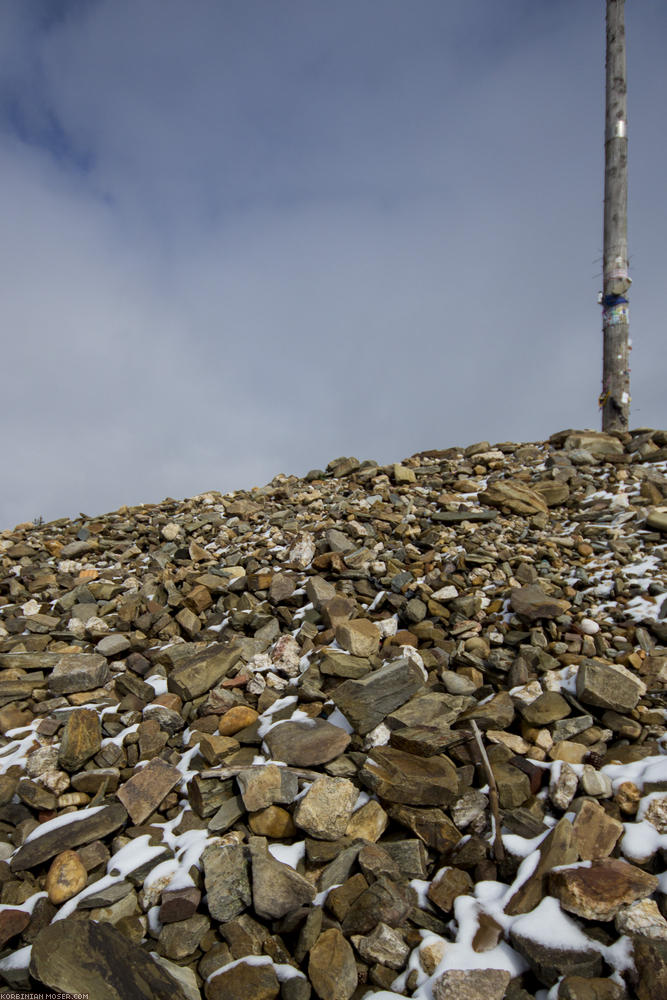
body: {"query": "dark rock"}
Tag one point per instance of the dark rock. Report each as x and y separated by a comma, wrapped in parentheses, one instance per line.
(77, 955)
(367, 701)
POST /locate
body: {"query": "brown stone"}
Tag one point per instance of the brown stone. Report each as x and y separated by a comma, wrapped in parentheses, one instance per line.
(77, 955)
(146, 789)
(598, 892)
(359, 636)
(531, 602)
(178, 904)
(88, 825)
(331, 967)
(471, 984)
(306, 744)
(81, 739)
(450, 883)
(402, 778)
(595, 832)
(244, 982)
(558, 848)
(12, 922)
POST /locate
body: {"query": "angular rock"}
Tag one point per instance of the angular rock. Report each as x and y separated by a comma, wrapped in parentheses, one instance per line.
(367, 701)
(261, 787)
(85, 826)
(146, 789)
(178, 940)
(432, 826)
(385, 901)
(579, 988)
(244, 981)
(12, 922)
(558, 848)
(81, 739)
(599, 892)
(596, 833)
(203, 671)
(306, 744)
(471, 984)
(227, 880)
(549, 961)
(367, 823)
(608, 685)
(642, 918)
(402, 778)
(650, 959)
(359, 636)
(515, 495)
(531, 602)
(331, 966)
(384, 945)
(276, 888)
(549, 707)
(447, 886)
(325, 810)
(179, 904)
(78, 672)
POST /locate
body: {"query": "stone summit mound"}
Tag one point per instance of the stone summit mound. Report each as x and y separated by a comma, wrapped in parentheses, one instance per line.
(242, 737)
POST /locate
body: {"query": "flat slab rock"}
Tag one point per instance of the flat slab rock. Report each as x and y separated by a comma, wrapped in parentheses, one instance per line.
(401, 777)
(78, 955)
(599, 892)
(307, 743)
(88, 825)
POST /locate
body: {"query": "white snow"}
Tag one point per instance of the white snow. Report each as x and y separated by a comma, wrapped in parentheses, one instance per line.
(548, 925)
(59, 821)
(289, 854)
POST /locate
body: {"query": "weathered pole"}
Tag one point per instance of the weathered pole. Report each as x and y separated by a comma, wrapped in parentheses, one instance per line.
(615, 395)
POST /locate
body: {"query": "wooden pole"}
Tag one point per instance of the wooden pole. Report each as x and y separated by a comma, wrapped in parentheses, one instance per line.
(615, 395)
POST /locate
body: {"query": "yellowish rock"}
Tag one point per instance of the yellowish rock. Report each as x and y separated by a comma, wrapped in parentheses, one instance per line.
(272, 822)
(66, 877)
(236, 719)
(367, 823)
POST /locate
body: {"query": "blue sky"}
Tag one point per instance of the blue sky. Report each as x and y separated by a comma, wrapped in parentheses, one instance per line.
(243, 238)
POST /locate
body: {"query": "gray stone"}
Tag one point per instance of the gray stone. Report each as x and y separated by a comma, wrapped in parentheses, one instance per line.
(227, 881)
(276, 888)
(201, 673)
(78, 672)
(112, 645)
(367, 701)
(608, 685)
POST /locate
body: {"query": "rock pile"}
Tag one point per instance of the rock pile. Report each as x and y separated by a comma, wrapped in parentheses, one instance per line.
(381, 731)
